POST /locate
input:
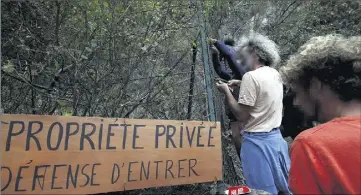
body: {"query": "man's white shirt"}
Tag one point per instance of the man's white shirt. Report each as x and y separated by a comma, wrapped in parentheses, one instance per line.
(262, 89)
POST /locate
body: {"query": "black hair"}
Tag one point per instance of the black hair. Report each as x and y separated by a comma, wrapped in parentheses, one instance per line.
(229, 42)
(294, 121)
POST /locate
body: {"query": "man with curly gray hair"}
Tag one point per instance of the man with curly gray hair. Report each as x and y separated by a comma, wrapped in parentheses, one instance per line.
(264, 152)
(325, 75)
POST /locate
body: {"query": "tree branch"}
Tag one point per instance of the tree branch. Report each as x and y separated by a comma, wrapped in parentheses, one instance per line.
(158, 83)
(25, 81)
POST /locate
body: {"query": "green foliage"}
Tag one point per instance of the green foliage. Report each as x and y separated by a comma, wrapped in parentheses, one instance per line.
(8, 67)
(125, 58)
(97, 55)
(194, 44)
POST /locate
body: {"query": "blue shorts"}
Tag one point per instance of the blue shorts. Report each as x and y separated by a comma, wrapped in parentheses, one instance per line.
(265, 161)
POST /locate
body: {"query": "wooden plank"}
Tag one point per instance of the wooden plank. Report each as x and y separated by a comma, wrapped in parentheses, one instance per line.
(87, 155)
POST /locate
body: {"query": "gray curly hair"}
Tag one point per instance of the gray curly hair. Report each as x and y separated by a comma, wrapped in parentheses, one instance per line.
(333, 59)
(266, 49)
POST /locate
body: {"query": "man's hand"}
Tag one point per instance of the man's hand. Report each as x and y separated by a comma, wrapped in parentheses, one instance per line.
(234, 83)
(222, 87)
(212, 41)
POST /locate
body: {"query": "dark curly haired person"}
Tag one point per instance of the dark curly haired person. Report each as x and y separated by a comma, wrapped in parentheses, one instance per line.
(325, 75)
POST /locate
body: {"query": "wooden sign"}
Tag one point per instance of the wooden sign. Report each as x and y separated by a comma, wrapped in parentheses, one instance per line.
(88, 155)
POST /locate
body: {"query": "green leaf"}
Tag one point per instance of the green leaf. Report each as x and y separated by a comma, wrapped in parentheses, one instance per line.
(62, 103)
(34, 73)
(105, 4)
(157, 5)
(65, 108)
(8, 67)
(84, 57)
(93, 43)
(57, 66)
(88, 49)
(66, 113)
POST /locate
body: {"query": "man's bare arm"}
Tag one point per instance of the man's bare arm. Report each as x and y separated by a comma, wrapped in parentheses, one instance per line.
(241, 112)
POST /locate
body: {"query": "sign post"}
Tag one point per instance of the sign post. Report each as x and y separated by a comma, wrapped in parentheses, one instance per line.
(88, 155)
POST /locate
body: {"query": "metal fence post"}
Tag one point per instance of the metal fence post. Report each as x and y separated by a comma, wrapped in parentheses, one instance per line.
(207, 72)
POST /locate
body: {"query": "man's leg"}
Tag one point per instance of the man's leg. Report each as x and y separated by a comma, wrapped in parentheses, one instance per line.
(234, 125)
(284, 166)
(275, 150)
(256, 169)
(236, 135)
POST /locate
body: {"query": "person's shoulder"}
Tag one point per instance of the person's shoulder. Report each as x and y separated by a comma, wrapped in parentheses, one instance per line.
(325, 133)
(313, 132)
(249, 75)
(330, 128)
(266, 74)
(265, 70)
(272, 70)
(254, 74)
(308, 138)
